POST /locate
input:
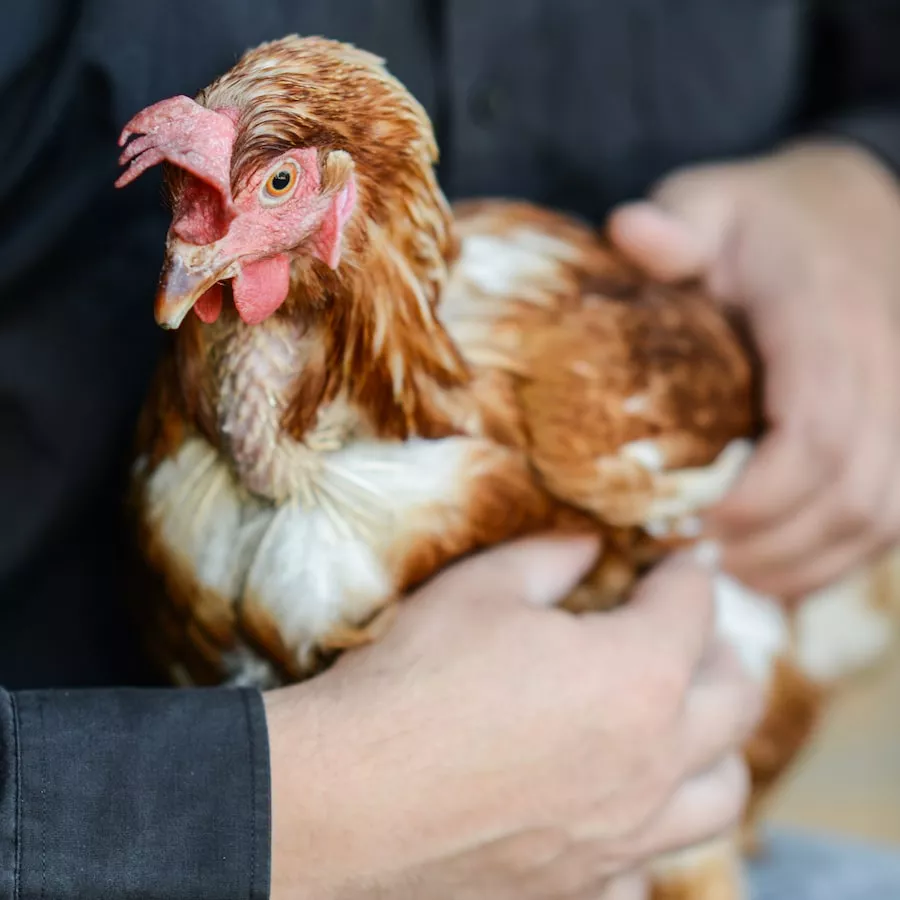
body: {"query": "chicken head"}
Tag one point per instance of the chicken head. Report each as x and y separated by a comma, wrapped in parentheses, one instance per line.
(246, 232)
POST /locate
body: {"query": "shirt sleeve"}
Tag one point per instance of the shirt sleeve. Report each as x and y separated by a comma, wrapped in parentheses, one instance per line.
(157, 794)
(854, 75)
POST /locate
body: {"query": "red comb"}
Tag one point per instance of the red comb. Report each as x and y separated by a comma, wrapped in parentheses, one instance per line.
(186, 134)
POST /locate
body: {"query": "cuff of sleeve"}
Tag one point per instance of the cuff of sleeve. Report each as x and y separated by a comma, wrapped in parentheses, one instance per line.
(9, 799)
(151, 794)
(876, 129)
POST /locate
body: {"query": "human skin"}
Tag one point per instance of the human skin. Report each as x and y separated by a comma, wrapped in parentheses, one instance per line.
(490, 746)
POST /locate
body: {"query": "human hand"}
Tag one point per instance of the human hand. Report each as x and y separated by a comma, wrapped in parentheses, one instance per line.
(806, 242)
(490, 747)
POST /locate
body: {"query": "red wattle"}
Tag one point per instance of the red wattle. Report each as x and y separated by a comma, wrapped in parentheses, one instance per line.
(261, 287)
(209, 305)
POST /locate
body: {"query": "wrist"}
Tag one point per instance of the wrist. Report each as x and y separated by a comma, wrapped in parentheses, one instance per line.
(301, 789)
(833, 156)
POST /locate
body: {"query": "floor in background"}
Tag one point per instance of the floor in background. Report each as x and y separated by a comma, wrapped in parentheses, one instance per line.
(849, 782)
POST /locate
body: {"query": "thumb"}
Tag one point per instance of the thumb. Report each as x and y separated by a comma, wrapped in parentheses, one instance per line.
(536, 571)
(675, 602)
(665, 246)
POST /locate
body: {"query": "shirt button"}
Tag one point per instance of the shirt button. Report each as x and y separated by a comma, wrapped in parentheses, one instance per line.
(486, 102)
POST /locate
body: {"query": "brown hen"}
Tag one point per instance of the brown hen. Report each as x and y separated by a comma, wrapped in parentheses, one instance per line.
(365, 385)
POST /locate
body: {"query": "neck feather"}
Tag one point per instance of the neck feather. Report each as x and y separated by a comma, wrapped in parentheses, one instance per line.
(386, 349)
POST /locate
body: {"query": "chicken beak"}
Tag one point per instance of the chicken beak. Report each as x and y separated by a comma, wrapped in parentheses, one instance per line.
(188, 273)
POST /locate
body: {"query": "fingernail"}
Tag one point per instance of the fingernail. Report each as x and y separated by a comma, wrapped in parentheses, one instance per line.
(704, 555)
(557, 566)
(708, 554)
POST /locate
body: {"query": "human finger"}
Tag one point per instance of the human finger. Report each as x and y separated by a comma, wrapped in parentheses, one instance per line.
(809, 550)
(538, 571)
(670, 617)
(702, 808)
(660, 243)
(855, 509)
(723, 706)
(820, 571)
(812, 392)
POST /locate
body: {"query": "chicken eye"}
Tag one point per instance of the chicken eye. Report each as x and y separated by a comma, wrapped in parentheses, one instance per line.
(280, 183)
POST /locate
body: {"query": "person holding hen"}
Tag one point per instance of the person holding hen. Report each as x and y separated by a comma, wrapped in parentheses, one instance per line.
(488, 746)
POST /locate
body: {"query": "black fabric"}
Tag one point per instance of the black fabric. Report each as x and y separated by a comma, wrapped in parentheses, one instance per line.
(93, 813)
(574, 104)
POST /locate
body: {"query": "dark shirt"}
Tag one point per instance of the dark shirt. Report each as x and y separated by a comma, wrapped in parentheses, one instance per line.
(157, 793)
